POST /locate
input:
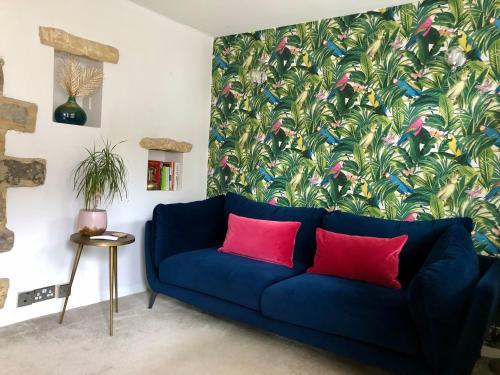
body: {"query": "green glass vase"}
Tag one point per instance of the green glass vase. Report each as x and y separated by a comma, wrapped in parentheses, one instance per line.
(70, 113)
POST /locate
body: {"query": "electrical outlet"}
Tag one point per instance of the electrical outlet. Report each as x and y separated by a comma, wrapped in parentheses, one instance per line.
(62, 290)
(43, 294)
(24, 299)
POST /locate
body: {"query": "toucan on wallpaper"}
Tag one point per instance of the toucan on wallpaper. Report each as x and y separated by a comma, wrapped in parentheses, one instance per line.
(392, 113)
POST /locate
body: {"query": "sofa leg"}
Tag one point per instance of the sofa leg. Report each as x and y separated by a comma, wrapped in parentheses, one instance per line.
(152, 299)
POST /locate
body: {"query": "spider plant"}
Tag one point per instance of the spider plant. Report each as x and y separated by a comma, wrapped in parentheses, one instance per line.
(101, 177)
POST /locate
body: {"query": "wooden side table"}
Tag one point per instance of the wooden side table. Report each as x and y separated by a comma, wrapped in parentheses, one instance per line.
(82, 240)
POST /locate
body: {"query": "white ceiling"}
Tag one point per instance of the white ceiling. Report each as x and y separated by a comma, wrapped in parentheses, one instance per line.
(226, 17)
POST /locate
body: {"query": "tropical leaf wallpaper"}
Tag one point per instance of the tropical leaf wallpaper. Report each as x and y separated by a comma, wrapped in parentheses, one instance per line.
(365, 114)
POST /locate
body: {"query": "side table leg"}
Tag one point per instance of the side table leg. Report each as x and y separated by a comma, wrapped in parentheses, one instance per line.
(115, 266)
(73, 272)
(111, 289)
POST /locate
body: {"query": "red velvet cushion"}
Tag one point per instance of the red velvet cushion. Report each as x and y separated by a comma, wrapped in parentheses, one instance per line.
(371, 259)
(266, 240)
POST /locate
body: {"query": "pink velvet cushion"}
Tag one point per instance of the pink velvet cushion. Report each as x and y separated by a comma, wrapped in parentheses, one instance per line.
(371, 259)
(266, 240)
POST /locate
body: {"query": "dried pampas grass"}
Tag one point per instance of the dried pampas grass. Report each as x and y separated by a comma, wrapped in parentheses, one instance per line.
(76, 79)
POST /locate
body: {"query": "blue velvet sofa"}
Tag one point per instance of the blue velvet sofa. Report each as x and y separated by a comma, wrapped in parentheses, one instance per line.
(434, 324)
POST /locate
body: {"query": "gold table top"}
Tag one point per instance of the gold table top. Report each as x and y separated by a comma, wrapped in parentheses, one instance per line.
(85, 240)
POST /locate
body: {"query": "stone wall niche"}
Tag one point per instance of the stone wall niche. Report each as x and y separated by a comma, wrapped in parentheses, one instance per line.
(87, 53)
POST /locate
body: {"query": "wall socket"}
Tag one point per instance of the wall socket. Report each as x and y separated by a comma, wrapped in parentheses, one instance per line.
(41, 294)
(44, 294)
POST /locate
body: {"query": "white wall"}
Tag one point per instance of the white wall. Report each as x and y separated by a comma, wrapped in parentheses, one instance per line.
(159, 88)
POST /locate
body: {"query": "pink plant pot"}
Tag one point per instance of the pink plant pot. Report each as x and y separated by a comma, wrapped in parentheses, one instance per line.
(92, 222)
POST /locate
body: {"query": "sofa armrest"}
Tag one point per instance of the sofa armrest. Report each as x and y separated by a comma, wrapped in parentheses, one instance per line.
(439, 293)
(151, 271)
(181, 227)
(484, 304)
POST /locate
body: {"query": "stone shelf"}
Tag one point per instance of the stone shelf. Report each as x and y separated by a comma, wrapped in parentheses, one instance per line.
(165, 144)
(66, 42)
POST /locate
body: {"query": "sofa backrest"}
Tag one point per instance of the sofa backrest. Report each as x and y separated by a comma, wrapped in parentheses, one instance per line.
(421, 235)
(305, 243)
(180, 227)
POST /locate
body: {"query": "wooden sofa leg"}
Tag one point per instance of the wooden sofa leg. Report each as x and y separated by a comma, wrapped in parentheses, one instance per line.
(152, 299)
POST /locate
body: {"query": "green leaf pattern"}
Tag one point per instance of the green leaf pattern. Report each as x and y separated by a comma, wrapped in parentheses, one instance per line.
(363, 114)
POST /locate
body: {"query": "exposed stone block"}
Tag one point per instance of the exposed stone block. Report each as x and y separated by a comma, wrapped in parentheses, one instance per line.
(4, 288)
(66, 42)
(17, 115)
(165, 144)
(22, 172)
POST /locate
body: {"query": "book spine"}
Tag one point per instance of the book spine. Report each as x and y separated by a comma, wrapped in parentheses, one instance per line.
(164, 178)
(172, 177)
(177, 176)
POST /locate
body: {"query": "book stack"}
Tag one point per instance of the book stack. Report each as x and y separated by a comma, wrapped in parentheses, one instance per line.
(164, 175)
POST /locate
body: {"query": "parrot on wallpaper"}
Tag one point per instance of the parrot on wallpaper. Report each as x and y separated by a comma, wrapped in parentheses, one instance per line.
(300, 143)
(275, 128)
(218, 137)
(412, 216)
(376, 101)
(490, 246)
(279, 49)
(340, 85)
(410, 91)
(271, 98)
(493, 192)
(303, 96)
(457, 149)
(244, 137)
(413, 129)
(373, 49)
(495, 22)
(273, 201)
(387, 13)
(298, 176)
(220, 63)
(368, 138)
(492, 133)
(423, 29)
(448, 189)
(403, 188)
(367, 191)
(246, 104)
(329, 138)
(333, 172)
(335, 49)
(227, 89)
(223, 162)
(453, 145)
(467, 44)
(267, 177)
(308, 62)
(455, 90)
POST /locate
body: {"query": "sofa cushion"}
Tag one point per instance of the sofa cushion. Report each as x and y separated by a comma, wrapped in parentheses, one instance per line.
(371, 259)
(264, 240)
(353, 309)
(230, 277)
(421, 235)
(180, 227)
(305, 243)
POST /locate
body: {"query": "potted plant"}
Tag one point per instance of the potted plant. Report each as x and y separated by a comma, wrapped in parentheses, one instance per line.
(100, 178)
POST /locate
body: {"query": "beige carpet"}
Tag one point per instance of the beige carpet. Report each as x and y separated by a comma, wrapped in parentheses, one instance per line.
(172, 338)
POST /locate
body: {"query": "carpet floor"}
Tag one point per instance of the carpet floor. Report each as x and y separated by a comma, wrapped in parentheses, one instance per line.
(172, 338)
